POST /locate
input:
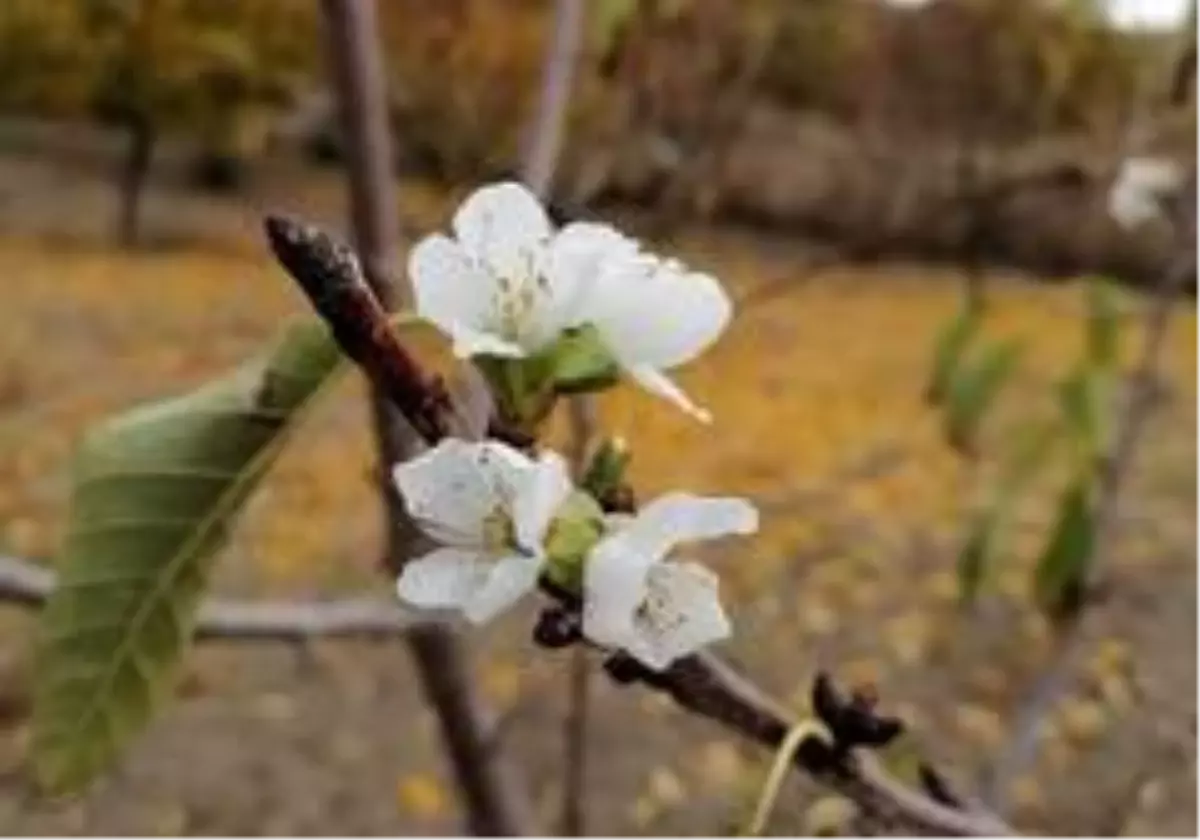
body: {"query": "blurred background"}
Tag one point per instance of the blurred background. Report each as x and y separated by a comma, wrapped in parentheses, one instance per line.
(846, 167)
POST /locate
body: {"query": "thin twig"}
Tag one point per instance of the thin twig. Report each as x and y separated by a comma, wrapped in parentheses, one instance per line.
(701, 684)
(28, 585)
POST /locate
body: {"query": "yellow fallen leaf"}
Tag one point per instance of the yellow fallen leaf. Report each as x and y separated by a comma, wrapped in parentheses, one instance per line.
(422, 795)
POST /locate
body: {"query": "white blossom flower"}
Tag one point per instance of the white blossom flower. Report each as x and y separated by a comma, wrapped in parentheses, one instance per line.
(653, 315)
(509, 285)
(1140, 188)
(489, 506)
(654, 608)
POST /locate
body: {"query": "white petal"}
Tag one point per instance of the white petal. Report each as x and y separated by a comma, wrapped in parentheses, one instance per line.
(504, 226)
(659, 383)
(453, 487)
(450, 290)
(577, 256)
(682, 614)
(544, 491)
(506, 471)
(656, 313)
(507, 580)
(445, 578)
(682, 517)
(614, 580)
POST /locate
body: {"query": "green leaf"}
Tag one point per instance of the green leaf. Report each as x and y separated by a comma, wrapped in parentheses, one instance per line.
(973, 391)
(1084, 397)
(1103, 324)
(609, 17)
(606, 468)
(976, 554)
(979, 550)
(155, 493)
(1061, 572)
(952, 342)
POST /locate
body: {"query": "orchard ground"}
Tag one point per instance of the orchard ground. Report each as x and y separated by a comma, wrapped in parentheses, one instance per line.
(816, 390)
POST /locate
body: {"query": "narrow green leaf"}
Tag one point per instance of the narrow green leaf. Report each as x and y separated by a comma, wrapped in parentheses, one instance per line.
(1061, 571)
(952, 342)
(974, 558)
(155, 493)
(982, 544)
(974, 390)
(609, 17)
(1103, 324)
(1085, 399)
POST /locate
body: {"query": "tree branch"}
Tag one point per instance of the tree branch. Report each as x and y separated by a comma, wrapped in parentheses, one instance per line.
(28, 585)
(700, 683)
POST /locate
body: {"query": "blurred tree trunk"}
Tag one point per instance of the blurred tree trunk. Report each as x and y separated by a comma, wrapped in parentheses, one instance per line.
(141, 137)
(494, 802)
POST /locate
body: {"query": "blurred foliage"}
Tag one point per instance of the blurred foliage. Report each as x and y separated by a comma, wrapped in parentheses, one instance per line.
(464, 72)
(965, 393)
(210, 69)
(1000, 69)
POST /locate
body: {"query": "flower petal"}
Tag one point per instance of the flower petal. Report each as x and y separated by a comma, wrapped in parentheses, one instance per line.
(545, 489)
(614, 579)
(683, 613)
(444, 578)
(656, 313)
(682, 517)
(578, 255)
(507, 580)
(659, 383)
(504, 226)
(450, 290)
(453, 487)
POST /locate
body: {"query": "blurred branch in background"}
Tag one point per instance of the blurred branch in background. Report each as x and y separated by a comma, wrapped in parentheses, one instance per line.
(232, 620)
(494, 802)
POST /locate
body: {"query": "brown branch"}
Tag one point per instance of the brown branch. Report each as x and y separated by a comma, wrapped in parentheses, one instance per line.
(330, 275)
(704, 686)
(28, 585)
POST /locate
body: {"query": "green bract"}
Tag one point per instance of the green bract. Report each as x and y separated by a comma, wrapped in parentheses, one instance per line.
(578, 526)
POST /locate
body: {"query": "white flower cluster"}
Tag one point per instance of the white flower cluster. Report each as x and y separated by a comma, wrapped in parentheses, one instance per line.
(508, 285)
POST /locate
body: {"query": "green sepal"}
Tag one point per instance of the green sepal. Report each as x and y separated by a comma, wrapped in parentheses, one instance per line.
(571, 536)
(580, 362)
(606, 469)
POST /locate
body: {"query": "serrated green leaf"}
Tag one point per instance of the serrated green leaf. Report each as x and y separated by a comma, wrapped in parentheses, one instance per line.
(155, 493)
(1061, 571)
(1103, 324)
(973, 390)
(952, 342)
